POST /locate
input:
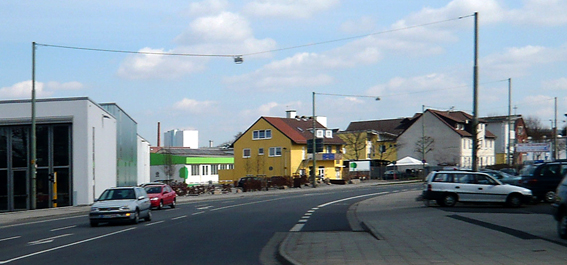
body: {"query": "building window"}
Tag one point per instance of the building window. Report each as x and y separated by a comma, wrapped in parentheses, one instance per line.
(246, 153)
(329, 133)
(205, 169)
(194, 170)
(214, 169)
(329, 149)
(320, 133)
(261, 151)
(275, 151)
(261, 134)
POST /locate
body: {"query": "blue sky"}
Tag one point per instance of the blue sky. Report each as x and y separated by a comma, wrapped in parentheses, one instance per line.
(409, 53)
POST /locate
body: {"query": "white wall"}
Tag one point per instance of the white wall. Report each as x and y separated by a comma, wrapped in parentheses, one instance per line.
(181, 138)
(93, 144)
(143, 160)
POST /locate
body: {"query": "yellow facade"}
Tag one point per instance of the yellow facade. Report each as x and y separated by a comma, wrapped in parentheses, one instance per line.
(277, 155)
(362, 146)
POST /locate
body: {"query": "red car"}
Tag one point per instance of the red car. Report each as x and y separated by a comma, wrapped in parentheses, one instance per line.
(161, 195)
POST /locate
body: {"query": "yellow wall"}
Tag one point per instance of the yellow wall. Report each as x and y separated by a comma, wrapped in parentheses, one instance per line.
(390, 153)
(288, 164)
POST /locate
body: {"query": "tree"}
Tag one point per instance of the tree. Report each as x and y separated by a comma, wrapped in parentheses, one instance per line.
(355, 144)
(535, 130)
(424, 145)
(168, 165)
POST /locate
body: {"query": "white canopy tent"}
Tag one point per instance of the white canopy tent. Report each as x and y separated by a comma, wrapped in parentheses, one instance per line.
(407, 162)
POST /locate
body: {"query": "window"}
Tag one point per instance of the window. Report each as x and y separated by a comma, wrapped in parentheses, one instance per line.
(214, 169)
(246, 153)
(329, 133)
(320, 133)
(329, 149)
(194, 170)
(205, 169)
(261, 134)
(275, 151)
(261, 151)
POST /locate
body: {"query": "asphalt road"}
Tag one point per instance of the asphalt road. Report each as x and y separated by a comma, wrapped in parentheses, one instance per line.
(208, 232)
(240, 230)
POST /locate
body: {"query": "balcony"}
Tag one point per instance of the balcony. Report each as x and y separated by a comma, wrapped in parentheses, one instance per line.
(326, 156)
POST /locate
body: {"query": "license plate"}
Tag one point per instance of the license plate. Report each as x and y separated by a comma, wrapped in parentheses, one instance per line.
(109, 216)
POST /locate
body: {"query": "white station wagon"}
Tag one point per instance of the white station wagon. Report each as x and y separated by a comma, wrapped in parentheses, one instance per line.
(449, 187)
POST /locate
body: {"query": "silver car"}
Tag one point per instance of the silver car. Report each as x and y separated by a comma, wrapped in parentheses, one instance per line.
(127, 204)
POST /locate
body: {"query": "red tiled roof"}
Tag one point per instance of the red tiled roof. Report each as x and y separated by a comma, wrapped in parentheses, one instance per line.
(299, 130)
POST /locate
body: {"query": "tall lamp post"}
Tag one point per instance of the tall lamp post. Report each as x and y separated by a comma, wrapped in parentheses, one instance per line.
(475, 97)
(33, 164)
(314, 120)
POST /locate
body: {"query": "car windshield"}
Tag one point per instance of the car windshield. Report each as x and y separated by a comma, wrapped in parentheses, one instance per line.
(528, 170)
(154, 189)
(118, 194)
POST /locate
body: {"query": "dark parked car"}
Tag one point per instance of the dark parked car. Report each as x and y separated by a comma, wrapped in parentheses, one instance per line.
(502, 176)
(543, 179)
(560, 208)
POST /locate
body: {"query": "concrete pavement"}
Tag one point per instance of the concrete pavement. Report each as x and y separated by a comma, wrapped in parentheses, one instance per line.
(408, 232)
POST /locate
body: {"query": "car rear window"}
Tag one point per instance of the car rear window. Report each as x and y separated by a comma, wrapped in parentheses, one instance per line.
(443, 177)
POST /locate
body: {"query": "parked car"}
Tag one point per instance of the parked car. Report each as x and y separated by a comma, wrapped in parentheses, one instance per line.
(449, 187)
(542, 179)
(161, 195)
(123, 204)
(560, 208)
(502, 176)
(252, 183)
(511, 171)
(392, 174)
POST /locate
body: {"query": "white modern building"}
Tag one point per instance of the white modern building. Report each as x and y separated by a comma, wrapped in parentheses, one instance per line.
(77, 140)
(181, 138)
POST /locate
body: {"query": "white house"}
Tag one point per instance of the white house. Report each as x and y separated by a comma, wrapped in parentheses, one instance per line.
(445, 138)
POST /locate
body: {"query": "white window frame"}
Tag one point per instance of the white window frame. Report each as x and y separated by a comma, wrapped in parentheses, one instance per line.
(275, 151)
(244, 151)
(262, 134)
(261, 151)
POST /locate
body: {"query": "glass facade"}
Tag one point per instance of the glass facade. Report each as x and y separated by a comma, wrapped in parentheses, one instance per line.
(53, 154)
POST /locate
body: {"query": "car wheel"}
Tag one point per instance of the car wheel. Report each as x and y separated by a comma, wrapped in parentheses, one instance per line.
(94, 223)
(549, 196)
(562, 226)
(449, 200)
(172, 205)
(160, 205)
(136, 217)
(149, 217)
(514, 200)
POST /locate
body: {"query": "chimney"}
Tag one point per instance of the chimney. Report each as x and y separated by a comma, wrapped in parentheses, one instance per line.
(290, 114)
(158, 134)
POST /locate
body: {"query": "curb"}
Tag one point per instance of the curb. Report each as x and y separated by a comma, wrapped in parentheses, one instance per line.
(283, 256)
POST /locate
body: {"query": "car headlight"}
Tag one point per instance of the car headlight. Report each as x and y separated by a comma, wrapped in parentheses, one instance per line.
(154, 199)
(124, 208)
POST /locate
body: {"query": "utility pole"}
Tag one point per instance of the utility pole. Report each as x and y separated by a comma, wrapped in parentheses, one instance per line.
(33, 164)
(315, 170)
(475, 97)
(555, 132)
(509, 121)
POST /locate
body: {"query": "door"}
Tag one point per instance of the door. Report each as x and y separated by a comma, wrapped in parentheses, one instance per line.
(20, 188)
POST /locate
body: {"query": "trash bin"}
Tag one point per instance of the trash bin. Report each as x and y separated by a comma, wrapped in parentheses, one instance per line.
(297, 182)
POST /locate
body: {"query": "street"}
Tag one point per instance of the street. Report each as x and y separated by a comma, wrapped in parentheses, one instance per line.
(238, 230)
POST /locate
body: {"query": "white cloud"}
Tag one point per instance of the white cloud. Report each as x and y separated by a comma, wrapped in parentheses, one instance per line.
(194, 106)
(144, 66)
(288, 8)
(541, 12)
(208, 7)
(517, 61)
(557, 84)
(23, 90)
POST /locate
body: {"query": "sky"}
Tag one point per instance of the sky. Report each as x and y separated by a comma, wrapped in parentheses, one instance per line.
(411, 54)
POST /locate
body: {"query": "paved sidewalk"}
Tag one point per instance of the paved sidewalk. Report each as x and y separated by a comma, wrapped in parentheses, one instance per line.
(410, 233)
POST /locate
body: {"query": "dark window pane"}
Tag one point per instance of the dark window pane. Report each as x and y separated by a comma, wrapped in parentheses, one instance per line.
(19, 147)
(63, 195)
(3, 149)
(3, 190)
(61, 145)
(42, 145)
(42, 188)
(20, 190)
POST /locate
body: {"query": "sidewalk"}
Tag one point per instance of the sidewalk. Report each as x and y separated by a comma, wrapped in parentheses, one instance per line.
(410, 233)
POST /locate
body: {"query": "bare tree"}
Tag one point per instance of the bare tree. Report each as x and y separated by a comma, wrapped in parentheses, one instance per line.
(535, 130)
(355, 144)
(384, 150)
(168, 164)
(424, 145)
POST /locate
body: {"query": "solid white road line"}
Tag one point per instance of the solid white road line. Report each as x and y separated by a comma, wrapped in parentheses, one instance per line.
(350, 198)
(155, 223)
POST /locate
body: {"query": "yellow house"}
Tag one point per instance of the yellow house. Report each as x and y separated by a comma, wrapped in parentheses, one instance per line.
(278, 147)
(374, 140)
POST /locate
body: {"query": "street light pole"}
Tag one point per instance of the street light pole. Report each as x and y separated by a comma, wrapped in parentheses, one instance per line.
(33, 164)
(509, 122)
(475, 97)
(313, 179)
